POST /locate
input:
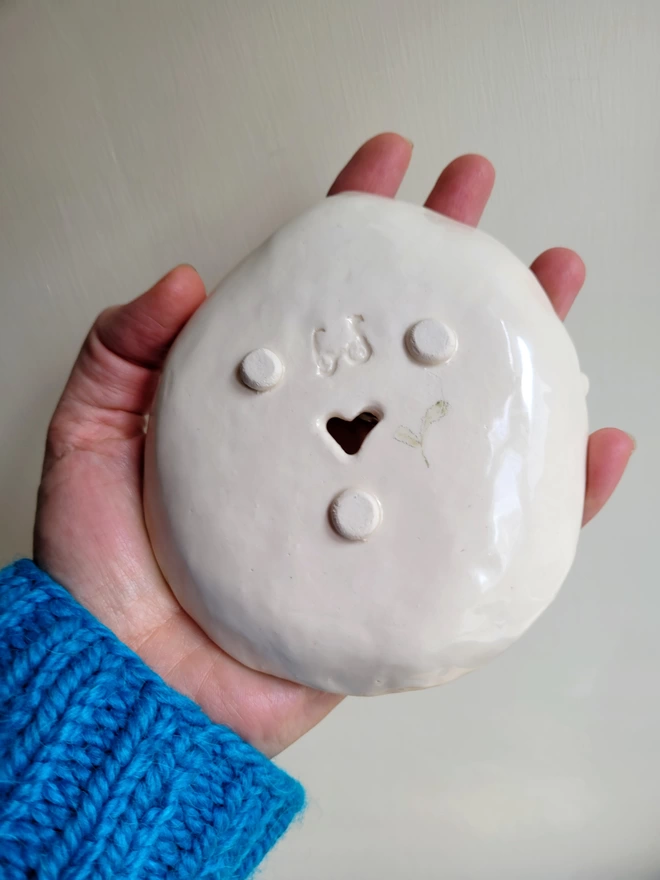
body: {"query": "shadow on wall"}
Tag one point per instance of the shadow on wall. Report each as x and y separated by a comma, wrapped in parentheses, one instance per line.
(22, 448)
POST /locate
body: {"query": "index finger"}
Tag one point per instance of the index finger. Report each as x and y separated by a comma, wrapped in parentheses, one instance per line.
(378, 167)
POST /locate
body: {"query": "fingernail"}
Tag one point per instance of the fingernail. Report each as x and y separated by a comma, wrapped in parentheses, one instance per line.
(408, 141)
(634, 442)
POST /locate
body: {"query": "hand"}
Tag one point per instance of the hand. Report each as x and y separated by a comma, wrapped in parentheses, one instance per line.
(90, 533)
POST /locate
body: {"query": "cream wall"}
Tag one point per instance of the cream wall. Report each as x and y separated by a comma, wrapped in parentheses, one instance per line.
(138, 133)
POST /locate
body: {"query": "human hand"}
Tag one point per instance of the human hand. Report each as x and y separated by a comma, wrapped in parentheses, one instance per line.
(90, 533)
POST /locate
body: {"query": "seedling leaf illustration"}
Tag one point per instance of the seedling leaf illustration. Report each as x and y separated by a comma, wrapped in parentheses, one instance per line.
(434, 414)
(405, 435)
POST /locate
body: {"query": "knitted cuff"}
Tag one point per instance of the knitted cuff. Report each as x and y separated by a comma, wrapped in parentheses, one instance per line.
(105, 771)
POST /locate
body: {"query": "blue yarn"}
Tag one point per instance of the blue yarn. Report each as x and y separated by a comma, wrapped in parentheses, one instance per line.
(105, 771)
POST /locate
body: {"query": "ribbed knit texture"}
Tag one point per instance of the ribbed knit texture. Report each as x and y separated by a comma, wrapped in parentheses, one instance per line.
(105, 771)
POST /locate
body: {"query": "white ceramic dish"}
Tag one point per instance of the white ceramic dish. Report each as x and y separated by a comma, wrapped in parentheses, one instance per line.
(442, 539)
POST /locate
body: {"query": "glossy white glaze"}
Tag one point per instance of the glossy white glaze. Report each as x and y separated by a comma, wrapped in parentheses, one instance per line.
(478, 463)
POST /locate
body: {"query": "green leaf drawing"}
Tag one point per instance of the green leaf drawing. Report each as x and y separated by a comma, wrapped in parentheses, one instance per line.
(434, 414)
(405, 435)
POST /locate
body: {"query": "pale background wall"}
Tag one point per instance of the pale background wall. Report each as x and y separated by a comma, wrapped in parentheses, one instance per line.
(135, 134)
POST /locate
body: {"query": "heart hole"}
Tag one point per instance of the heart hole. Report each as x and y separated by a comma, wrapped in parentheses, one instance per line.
(351, 435)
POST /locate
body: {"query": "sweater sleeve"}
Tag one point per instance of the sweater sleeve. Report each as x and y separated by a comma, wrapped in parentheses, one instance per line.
(105, 771)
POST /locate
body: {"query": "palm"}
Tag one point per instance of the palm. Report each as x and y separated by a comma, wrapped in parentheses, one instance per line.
(90, 533)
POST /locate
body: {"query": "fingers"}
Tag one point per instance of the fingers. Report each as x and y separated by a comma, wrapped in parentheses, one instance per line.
(378, 167)
(608, 454)
(561, 273)
(463, 189)
(114, 379)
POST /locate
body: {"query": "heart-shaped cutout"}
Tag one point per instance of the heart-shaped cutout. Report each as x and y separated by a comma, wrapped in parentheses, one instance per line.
(351, 435)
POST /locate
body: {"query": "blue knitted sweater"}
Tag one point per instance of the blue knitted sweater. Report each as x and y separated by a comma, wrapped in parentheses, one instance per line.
(105, 771)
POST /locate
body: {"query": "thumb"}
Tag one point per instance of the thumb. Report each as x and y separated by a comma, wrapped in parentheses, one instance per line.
(114, 378)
